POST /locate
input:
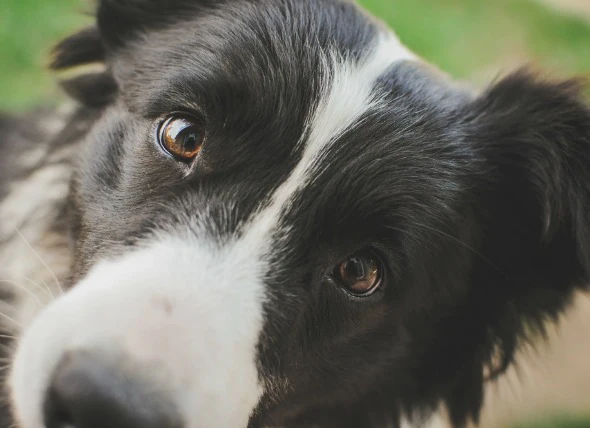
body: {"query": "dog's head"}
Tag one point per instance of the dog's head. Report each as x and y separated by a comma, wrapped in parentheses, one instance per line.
(284, 217)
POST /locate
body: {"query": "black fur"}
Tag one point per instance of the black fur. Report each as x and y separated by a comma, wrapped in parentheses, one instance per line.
(85, 47)
(479, 205)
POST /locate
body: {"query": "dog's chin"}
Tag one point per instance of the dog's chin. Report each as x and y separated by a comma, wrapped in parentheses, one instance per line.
(118, 332)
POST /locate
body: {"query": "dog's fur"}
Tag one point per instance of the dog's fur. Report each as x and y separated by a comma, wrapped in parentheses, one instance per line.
(325, 135)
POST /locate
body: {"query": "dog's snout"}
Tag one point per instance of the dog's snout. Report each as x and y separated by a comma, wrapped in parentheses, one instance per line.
(88, 391)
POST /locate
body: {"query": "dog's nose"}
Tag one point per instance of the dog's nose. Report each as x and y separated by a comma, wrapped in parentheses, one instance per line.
(89, 392)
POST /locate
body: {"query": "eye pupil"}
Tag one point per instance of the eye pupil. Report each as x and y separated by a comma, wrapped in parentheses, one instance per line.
(360, 273)
(182, 137)
(190, 142)
(354, 268)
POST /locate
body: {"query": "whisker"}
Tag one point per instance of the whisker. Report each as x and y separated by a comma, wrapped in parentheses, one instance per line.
(25, 289)
(5, 309)
(7, 336)
(465, 245)
(40, 259)
(43, 286)
(458, 241)
(12, 320)
(8, 305)
(59, 289)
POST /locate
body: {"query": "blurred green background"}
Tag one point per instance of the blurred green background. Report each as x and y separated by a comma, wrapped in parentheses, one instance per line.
(475, 39)
(470, 39)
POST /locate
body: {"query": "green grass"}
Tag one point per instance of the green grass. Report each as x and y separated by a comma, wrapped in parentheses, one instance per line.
(475, 39)
(468, 38)
(471, 37)
(28, 29)
(558, 422)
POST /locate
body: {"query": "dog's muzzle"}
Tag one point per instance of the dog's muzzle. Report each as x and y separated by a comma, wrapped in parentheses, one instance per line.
(164, 336)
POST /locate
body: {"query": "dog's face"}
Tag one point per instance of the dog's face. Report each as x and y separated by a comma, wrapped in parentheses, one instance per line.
(284, 217)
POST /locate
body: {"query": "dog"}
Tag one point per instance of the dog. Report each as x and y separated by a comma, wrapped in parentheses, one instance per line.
(271, 213)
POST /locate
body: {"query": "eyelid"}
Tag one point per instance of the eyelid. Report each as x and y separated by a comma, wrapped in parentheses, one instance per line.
(195, 112)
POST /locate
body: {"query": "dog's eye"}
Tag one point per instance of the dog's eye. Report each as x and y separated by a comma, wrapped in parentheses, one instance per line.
(182, 137)
(360, 274)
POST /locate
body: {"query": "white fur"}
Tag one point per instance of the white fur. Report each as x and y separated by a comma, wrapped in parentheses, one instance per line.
(438, 419)
(348, 96)
(187, 305)
(181, 305)
(34, 258)
(34, 196)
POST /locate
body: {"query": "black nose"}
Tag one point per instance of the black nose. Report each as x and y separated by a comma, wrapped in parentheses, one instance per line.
(89, 392)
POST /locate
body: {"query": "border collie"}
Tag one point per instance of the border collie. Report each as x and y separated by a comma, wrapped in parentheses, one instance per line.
(270, 213)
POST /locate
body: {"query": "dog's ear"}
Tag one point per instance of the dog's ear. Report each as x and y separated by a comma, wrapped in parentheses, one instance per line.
(82, 59)
(83, 73)
(531, 140)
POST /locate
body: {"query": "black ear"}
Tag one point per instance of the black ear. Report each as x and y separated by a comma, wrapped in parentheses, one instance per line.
(532, 148)
(84, 75)
(82, 58)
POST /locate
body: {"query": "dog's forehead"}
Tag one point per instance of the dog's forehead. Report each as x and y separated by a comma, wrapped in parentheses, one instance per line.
(298, 96)
(240, 61)
(240, 53)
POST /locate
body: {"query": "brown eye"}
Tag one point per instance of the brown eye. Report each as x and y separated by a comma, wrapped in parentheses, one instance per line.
(182, 137)
(361, 273)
